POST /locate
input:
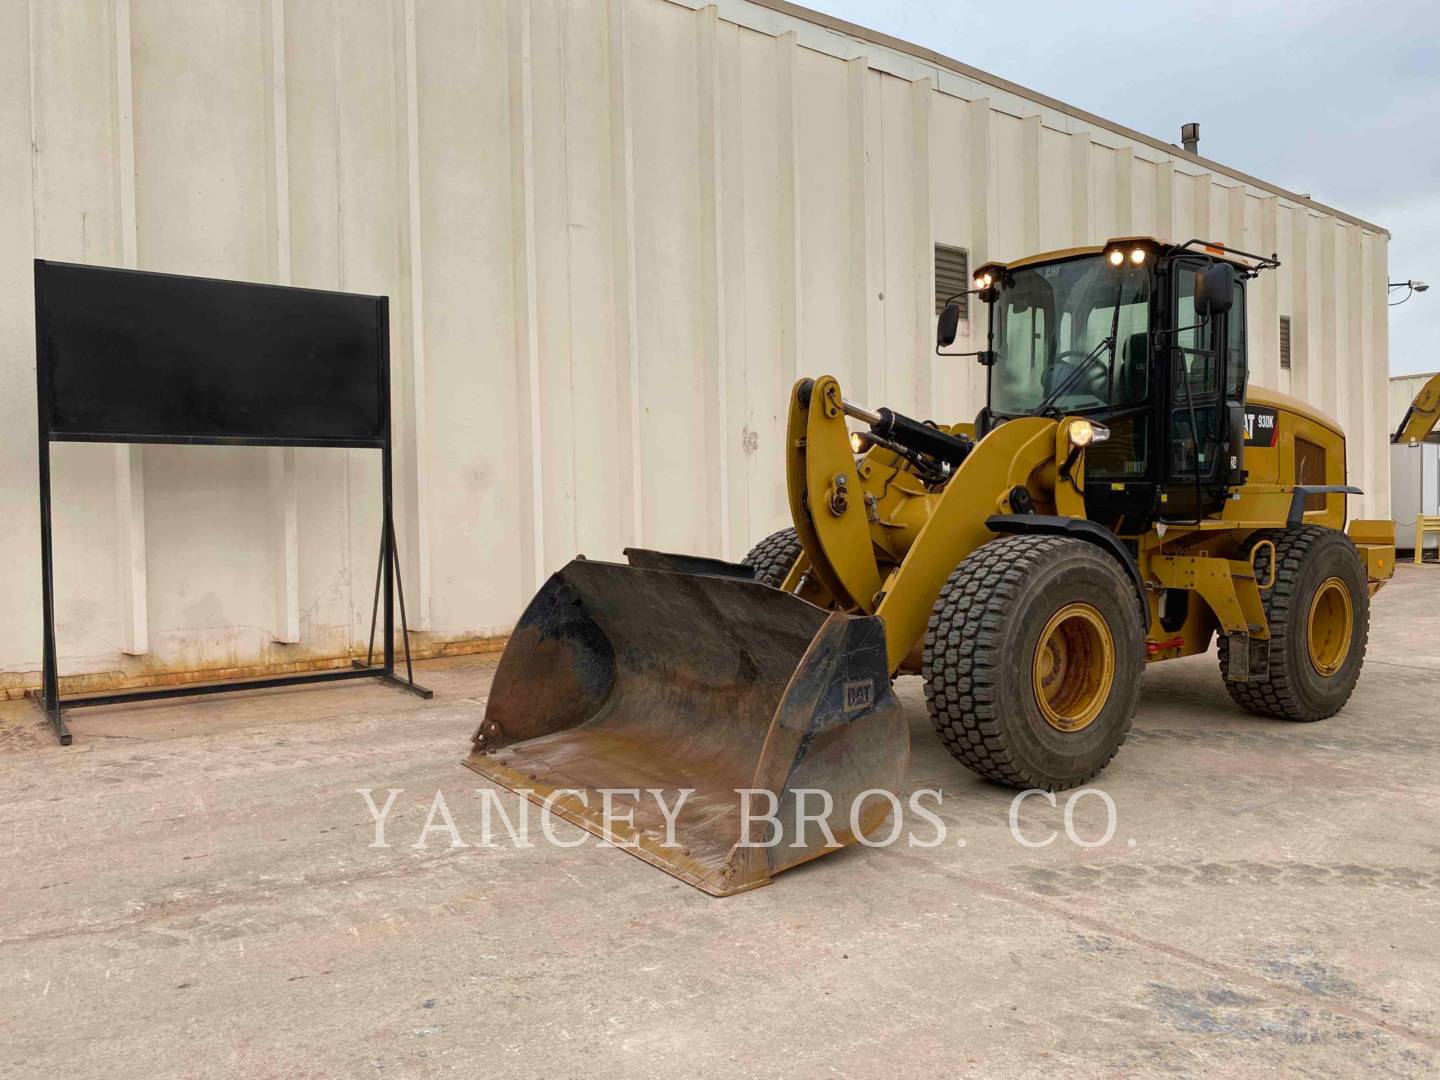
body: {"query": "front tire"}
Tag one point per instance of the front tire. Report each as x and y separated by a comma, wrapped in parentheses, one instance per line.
(1319, 616)
(1032, 661)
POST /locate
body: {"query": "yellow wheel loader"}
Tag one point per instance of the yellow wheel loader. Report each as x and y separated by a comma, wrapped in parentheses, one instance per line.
(1122, 499)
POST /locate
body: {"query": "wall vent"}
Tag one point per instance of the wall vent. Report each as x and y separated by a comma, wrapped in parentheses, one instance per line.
(952, 275)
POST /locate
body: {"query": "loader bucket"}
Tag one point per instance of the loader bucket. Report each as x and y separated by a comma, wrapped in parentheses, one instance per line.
(675, 674)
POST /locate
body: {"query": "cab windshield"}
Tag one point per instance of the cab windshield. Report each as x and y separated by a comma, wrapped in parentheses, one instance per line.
(1072, 335)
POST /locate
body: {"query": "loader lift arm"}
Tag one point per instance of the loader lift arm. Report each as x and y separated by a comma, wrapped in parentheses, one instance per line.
(1422, 415)
(830, 491)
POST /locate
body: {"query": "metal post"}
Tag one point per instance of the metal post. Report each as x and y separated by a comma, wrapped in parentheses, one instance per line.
(375, 603)
(49, 674)
(387, 549)
(389, 555)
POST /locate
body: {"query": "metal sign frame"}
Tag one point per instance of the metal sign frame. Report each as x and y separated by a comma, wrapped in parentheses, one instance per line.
(387, 577)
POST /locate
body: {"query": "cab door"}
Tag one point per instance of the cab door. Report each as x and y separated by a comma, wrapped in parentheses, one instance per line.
(1206, 387)
(1120, 473)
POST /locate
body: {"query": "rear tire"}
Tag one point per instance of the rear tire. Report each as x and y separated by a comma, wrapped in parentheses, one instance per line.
(773, 557)
(1032, 665)
(1319, 583)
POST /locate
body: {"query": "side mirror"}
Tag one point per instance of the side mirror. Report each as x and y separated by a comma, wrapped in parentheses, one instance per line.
(1214, 289)
(948, 326)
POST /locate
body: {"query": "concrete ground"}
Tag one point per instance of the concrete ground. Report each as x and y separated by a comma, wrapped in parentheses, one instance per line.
(189, 891)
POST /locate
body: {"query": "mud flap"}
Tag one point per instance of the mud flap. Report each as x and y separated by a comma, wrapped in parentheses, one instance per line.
(1249, 659)
(649, 683)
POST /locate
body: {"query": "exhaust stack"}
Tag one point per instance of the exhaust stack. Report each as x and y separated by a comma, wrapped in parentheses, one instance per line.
(1190, 138)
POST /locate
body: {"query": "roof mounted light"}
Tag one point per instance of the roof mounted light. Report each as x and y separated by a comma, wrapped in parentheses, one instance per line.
(1117, 257)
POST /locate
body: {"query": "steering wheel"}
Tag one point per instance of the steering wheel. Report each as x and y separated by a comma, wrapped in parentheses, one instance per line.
(1063, 369)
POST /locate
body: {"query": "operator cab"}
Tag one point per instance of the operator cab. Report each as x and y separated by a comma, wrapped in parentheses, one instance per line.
(1142, 337)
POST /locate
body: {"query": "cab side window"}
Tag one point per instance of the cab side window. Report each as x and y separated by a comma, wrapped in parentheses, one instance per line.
(1235, 343)
(1195, 385)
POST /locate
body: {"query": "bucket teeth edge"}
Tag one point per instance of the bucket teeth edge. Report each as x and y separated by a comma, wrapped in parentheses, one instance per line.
(635, 842)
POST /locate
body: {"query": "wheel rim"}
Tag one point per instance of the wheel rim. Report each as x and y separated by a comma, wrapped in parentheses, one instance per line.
(1331, 626)
(1074, 667)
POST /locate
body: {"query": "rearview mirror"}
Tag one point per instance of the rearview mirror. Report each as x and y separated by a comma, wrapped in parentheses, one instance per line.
(948, 326)
(1214, 289)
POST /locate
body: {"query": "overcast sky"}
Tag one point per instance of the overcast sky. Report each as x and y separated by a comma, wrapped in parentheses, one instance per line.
(1340, 100)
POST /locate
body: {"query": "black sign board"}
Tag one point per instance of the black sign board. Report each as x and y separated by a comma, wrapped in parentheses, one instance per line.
(129, 357)
(139, 357)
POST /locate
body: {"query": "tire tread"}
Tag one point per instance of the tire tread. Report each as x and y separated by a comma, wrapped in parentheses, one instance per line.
(772, 557)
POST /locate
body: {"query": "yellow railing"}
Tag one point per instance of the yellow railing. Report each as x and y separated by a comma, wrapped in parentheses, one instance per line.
(1424, 524)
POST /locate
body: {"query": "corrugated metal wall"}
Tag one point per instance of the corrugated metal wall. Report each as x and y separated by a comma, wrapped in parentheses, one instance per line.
(613, 234)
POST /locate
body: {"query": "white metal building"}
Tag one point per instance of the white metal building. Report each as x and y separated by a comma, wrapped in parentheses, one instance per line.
(1414, 469)
(613, 234)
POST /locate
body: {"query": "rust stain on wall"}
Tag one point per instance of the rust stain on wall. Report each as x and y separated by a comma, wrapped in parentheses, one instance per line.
(17, 684)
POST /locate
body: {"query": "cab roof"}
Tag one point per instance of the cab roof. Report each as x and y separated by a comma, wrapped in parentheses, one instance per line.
(1211, 248)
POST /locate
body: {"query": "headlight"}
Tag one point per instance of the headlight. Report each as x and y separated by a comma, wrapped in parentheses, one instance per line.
(1083, 433)
(859, 442)
(1117, 257)
(1137, 256)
